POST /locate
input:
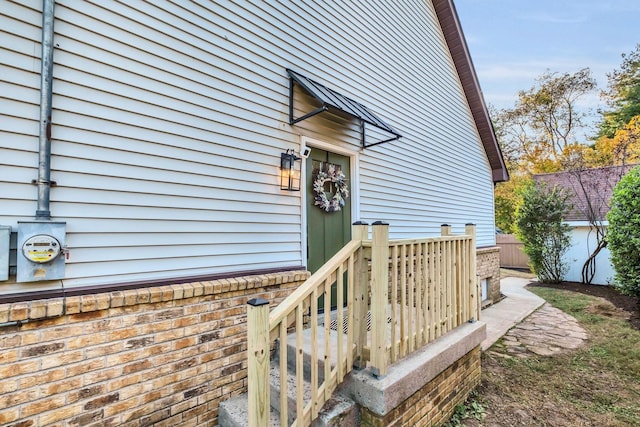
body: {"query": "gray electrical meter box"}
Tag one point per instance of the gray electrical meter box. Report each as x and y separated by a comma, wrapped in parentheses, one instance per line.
(41, 251)
(5, 235)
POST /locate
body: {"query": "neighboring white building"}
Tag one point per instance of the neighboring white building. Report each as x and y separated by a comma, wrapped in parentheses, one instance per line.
(590, 192)
(583, 242)
(169, 119)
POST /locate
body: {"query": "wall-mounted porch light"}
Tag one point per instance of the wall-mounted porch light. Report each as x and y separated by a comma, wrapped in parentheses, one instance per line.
(290, 165)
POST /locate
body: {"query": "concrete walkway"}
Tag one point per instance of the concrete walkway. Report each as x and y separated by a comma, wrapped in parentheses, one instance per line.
(528, 324)
(517, 305)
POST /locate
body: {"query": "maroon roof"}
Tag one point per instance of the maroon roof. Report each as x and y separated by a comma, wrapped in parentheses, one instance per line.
(454, 37)
(590, 190)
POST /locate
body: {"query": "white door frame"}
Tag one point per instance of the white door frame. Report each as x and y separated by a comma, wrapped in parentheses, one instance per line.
(354, 183)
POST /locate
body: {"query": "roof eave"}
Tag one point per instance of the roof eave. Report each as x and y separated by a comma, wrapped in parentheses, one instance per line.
(454, 37)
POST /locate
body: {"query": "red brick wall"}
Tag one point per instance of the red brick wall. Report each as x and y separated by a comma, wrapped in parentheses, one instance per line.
(163, 356)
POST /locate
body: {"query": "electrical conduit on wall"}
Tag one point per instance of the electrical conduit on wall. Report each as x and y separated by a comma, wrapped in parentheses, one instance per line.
(46, 95)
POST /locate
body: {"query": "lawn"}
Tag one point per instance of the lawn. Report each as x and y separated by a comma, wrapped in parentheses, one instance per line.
(597, 384)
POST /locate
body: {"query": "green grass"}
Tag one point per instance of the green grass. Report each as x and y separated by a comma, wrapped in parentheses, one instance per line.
(597, 384)
(569, 302)
(613, 344)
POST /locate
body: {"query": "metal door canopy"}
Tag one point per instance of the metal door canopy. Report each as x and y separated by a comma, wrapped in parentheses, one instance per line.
(336, 103)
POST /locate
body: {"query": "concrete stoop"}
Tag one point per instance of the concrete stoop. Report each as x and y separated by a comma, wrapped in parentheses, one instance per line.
(234, 413)
(411, 374)
(337, 411)
(361, 389)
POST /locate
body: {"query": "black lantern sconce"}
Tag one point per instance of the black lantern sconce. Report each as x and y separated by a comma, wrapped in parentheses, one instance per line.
(290, 165)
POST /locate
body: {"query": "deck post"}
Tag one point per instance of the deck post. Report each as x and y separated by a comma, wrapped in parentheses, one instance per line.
(474, 285)
(258, 361)
(448, 285)
(379, 296)
(360, 231)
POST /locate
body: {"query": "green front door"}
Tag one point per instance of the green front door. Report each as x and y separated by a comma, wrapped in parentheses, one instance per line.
(327, 232)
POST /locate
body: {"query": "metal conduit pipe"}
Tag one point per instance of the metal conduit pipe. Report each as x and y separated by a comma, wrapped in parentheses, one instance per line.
(46, 95)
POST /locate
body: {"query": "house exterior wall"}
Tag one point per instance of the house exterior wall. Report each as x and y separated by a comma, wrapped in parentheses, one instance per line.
(19, 107)
(162, 356)
(583, 242)
(488, 267)
(169, 120)
(165, 355)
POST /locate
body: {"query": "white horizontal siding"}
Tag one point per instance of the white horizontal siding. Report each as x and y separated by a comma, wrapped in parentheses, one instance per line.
(193, 238)
(203, 251)
(188, 144)
(86, 225)
(170, 117)
(126, 270)
(20, 34)
(438, 173)
(70, 210)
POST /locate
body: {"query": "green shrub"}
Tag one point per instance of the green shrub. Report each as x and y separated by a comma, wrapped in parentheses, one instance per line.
(539, 226)
(623, 236)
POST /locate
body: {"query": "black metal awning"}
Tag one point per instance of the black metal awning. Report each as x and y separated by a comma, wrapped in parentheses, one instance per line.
(336, 103)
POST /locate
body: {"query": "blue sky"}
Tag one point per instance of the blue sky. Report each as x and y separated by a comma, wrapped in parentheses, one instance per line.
(514, 41)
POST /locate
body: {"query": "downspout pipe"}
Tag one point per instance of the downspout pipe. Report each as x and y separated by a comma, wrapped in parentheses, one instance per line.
(46, 95)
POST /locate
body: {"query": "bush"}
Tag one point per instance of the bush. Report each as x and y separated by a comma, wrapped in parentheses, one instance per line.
(539, 226)
(623, 236)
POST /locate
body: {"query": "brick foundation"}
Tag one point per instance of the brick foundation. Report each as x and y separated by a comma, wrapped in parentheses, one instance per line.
(433, 404)
(156, 356)
(166, 355)
(488, 267)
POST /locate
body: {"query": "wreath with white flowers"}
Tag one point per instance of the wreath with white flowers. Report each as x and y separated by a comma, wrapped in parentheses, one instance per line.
(337, 201)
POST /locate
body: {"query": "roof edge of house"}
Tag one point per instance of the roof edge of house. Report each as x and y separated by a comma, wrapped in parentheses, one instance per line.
(454, 36)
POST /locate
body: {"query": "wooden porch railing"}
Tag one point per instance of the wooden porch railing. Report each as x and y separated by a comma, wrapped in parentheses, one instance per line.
(434, 286)
(396, 295)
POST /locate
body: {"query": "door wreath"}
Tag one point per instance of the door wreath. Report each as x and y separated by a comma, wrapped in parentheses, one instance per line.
(322, 200)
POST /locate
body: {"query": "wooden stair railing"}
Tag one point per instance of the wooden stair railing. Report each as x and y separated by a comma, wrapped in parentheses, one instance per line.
(341, 272)
(420, 289)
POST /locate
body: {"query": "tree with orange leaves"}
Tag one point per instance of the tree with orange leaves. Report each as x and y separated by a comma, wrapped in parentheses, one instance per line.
(623, 148)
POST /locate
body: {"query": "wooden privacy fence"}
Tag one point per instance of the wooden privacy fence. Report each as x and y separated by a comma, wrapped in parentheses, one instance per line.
(511, 251)
(393, 298)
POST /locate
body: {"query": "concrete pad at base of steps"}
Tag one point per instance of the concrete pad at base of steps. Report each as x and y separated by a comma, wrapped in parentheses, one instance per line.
(517, 305)
(234, 412)
(338, 411)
